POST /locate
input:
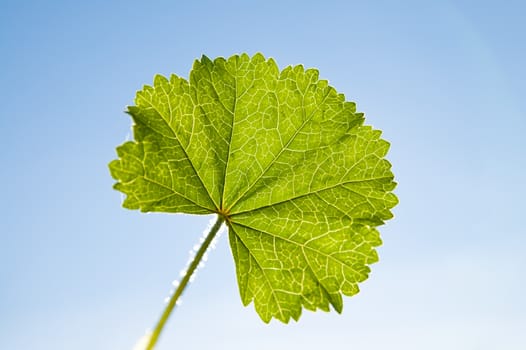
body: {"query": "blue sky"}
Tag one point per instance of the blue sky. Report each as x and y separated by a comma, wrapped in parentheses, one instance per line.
(444, 80)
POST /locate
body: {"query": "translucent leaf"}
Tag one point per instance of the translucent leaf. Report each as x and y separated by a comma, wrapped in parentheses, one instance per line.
(301, 182)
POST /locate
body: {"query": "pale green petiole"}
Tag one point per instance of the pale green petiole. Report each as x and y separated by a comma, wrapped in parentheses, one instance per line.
(186, 278)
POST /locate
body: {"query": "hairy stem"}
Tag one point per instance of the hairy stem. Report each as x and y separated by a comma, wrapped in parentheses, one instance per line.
(193, 265)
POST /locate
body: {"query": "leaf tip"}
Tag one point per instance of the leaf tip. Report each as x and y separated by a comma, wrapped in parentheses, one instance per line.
(258, 57)
(204, 60)
(160, 80)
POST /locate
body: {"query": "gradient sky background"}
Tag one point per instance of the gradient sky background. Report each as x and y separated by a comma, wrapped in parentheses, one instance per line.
(444, 80)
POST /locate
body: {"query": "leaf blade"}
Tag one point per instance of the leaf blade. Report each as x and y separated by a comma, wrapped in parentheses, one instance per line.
(301, 181)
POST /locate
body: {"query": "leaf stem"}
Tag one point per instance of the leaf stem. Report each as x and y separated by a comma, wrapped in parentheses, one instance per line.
(182, 285)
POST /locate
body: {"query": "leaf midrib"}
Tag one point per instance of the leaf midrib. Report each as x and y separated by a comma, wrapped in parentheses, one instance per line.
(300, 245)
(180, 145)
(269, 165)
(272, 290)
(230, 137)
(233, 214)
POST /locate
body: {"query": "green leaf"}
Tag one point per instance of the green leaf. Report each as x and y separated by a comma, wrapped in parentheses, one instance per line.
(301, 182)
